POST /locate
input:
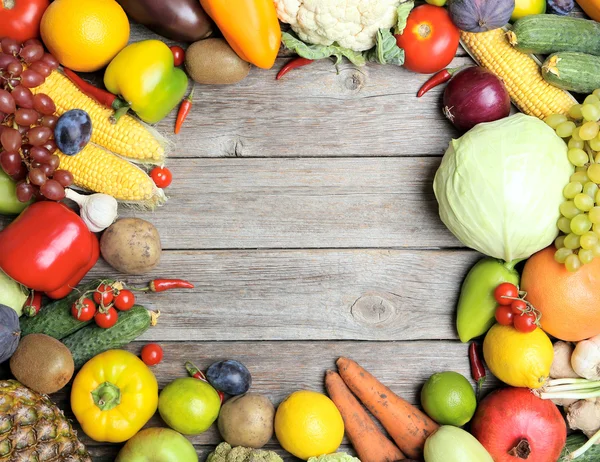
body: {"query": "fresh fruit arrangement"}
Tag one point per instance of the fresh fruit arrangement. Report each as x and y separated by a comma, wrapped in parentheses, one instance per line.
(58, 131)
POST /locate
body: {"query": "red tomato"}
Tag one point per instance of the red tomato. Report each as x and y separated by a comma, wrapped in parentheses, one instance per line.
(518, 307)
(505, 292)
(152, 354)
(525, 323)
(107, 319)
(504, 315)
(83, 310)
(124, 300)
(178, 55)
(430, 39)
(104, 295)
(161, 176)
(22, 21)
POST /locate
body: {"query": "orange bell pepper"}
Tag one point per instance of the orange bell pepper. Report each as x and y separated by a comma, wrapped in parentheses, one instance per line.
(250, 27)
(591, 8)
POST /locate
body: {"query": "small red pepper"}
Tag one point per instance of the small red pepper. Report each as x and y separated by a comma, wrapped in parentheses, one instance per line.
(160, 285)
(33, 304)
(437, 79)
(103, 97)
(198, 374)
(184, 110)
(293, 64)
(477, 367)
(47, 247)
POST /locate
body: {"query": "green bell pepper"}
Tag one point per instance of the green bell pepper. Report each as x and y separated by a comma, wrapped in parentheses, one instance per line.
(9, 204)
(144, 75)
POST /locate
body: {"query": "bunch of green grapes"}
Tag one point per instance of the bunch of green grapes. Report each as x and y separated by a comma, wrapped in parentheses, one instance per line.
(579, 241)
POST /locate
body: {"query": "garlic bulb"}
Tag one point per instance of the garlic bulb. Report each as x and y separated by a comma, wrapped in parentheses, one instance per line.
(585, 359)
(98, 211)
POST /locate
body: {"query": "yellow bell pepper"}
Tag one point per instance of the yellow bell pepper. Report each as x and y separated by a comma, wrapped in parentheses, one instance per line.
(113, 396)
(250, 27)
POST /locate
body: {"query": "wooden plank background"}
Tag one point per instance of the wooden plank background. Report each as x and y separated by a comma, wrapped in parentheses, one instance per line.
(303, 211)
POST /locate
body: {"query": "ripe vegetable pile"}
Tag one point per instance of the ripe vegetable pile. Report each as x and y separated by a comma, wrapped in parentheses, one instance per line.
(513, 187)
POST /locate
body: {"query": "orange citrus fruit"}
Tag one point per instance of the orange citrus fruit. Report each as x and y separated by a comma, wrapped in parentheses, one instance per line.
(85, 35)
(569, 301)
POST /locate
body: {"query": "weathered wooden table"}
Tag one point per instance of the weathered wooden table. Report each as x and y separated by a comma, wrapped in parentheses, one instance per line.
(303, 211)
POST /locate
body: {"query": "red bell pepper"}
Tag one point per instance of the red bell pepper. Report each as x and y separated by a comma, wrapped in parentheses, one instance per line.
(20, 19)
(48, 248)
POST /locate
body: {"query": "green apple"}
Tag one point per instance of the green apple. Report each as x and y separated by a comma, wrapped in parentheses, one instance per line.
(437, 2)
(9, 204)
(157, 445)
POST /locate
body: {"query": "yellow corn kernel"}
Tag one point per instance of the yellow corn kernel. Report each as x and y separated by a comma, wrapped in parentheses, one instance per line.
(99, 170)
(519, 72)
(128, 137)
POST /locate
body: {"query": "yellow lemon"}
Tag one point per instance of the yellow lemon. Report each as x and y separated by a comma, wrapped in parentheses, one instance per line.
(308, 424)
(518, 359)
(85, 35)
(527, 7)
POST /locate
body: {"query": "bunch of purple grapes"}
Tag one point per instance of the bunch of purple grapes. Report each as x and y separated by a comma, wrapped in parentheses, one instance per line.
(27, 122)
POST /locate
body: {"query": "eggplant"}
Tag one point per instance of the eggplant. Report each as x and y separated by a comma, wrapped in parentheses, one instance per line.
(180, 20)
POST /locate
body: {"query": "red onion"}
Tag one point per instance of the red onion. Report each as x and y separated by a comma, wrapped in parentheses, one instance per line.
(473, 96)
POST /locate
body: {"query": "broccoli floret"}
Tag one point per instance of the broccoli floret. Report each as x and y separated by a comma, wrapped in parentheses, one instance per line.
(220, 453)
(263, 456)
(335, 457)
(225, 453)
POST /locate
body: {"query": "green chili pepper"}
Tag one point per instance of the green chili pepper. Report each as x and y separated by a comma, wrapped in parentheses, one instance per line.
(477, 305)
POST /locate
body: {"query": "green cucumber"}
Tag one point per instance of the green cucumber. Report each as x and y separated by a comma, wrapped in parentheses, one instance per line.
(55, 319)
(574, 442)
(578, 72)
(93, 340)
(547, 33)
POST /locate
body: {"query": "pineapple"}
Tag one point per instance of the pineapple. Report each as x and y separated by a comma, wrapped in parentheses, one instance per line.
(33, 429)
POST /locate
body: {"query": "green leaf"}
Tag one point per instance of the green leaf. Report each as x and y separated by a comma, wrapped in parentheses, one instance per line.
(314, 52)
(386, 49)
(403, 11)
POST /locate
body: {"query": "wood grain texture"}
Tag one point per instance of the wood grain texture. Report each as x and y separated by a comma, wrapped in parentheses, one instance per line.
(280, 368)
(306, 294)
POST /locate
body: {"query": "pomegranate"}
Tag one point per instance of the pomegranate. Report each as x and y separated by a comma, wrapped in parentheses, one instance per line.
(515, 425)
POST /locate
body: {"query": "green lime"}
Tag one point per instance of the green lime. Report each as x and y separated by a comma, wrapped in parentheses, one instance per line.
(449, 399)
(189, 405)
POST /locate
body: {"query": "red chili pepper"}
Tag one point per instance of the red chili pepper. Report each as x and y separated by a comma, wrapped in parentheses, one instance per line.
(198, 374)
(477, 368)
(103, 97)
(160, 285)
(293, 64)
(33, 304)
(437, 79)
(184, 110)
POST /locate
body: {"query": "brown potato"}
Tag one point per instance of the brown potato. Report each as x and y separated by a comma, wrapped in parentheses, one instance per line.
(247, 420)
(131, 246)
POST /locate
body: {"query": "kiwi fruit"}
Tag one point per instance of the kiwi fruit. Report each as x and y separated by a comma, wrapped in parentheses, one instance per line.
(213, 62)
(42, 363)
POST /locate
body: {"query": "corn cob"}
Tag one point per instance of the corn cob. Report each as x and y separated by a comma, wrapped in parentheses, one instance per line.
(99, 170)
(128, 138)
(520, 73)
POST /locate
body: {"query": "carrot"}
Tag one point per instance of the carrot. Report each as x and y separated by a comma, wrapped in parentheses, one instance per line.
(369, 442)
(408, 426)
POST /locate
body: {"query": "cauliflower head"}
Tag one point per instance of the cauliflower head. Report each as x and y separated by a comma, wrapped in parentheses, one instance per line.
(352, 24)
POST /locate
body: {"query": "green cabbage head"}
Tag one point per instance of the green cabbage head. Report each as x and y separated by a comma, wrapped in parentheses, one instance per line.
(499, 186)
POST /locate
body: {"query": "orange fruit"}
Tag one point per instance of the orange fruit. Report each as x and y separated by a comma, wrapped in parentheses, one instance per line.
(569, 302)
(84, 35)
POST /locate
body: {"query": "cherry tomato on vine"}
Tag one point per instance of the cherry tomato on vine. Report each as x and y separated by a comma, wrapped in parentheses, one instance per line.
(505, 292)
(504, 315)
(104, 295)
(525, 323)
(178, 55)
(429, 40)
(518, 307)
(124, 300)
(83, 310)
(152, 354)
(107, 319)
(161, 176)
